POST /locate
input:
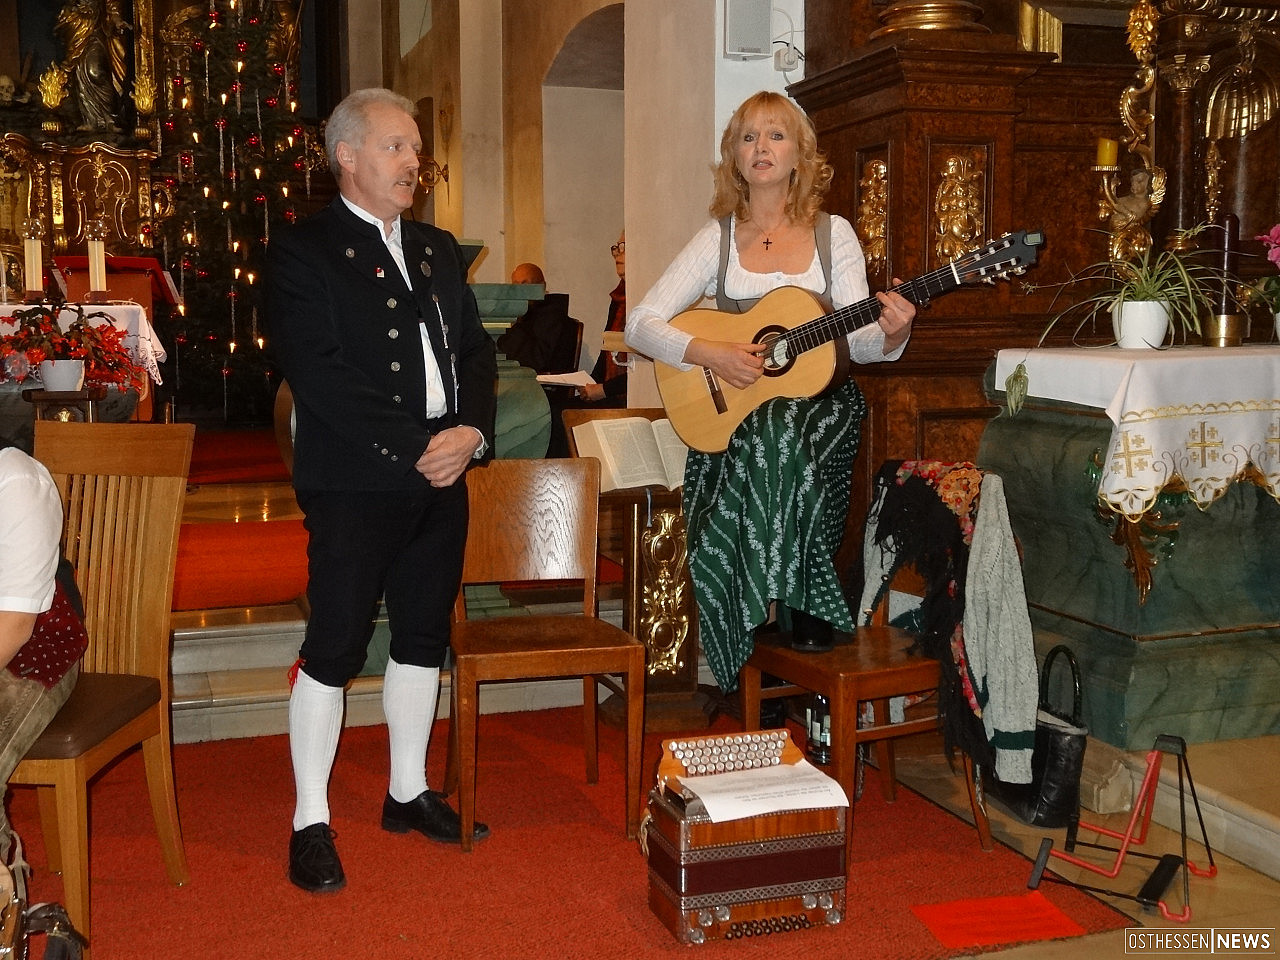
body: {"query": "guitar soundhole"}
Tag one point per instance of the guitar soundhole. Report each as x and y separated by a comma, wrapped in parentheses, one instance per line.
(777, 358)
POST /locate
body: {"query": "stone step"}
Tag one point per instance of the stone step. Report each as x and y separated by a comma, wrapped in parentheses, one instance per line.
(230, 670)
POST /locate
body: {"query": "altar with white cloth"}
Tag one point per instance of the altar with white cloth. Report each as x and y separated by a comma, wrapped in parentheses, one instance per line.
(1144, 489)
(140, 339)
(1201, 415)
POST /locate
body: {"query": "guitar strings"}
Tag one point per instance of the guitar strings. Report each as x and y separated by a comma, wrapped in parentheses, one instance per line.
(818, 331)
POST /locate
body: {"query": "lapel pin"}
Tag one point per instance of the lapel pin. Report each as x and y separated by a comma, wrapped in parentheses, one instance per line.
(381, 273)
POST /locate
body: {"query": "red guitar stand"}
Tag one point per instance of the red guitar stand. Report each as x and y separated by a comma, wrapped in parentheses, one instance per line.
(1151, 895)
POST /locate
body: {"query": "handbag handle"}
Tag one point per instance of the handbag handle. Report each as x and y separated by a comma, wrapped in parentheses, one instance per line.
(1045, 671)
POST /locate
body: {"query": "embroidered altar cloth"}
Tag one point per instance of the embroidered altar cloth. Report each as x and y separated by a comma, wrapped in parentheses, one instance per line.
(1198, 414)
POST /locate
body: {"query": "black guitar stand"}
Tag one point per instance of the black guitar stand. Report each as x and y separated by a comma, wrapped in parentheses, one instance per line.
(1151, 894)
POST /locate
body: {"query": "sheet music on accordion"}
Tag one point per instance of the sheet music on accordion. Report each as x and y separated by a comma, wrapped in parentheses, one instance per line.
(741, 775)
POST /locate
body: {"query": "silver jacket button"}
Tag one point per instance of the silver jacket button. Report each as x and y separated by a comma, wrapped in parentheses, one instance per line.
(395, 366)
(350, 252)
(393, 333)
(391, 302)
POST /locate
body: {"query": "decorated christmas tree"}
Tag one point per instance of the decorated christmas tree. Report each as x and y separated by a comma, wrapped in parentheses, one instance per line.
(237, 162)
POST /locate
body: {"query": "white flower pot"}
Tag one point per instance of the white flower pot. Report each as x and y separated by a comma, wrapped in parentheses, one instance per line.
(1139, 324)
(62, 376)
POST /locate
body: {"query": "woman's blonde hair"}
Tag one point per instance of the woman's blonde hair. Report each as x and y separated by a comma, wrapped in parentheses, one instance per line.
(809, 181)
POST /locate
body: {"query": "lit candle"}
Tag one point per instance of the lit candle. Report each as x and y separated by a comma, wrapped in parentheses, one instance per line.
(97, 266)
(33, 268)
(1108, 150)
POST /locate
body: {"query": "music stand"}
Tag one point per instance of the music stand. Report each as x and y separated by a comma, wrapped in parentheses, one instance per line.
(642, 528)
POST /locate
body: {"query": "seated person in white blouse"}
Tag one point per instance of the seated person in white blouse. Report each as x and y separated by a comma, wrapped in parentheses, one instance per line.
(38, 667)
(764, 518)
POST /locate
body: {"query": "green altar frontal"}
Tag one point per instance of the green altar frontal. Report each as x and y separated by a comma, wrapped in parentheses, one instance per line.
(1200, 658)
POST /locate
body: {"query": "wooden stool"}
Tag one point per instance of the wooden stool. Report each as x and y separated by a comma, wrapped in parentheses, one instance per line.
(74, 406)
(873, 668)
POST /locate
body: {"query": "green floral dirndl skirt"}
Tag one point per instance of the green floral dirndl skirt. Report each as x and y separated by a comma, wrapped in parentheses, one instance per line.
(763, 521)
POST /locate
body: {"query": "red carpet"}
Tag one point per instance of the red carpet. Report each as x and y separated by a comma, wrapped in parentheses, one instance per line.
(236, 456)
(240, 564)
(556, 879)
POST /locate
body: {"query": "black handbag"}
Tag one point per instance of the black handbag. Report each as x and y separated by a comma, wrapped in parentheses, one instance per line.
(1052, 798)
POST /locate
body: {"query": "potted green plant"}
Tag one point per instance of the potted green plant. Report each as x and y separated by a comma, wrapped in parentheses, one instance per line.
(1157, 296)
(1149, 298)
(37, 337)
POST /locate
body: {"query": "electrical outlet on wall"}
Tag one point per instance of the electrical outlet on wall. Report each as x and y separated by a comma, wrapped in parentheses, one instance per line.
(786, 58)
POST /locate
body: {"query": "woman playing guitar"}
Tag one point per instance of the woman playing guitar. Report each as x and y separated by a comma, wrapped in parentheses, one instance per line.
(764, 518)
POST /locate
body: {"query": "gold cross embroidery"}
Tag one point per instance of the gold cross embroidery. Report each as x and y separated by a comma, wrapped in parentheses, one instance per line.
(1133, 454)
(1203, 444)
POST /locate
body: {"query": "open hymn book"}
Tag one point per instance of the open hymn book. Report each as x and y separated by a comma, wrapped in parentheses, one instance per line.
(633, 452)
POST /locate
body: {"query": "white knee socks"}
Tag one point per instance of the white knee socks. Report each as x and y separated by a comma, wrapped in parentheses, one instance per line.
(409, 701)
(315, 720)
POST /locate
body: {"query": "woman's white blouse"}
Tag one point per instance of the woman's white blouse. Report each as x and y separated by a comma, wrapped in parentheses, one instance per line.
(692, 276)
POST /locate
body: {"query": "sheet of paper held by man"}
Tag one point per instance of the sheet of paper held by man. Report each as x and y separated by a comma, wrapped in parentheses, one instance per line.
(751, 793)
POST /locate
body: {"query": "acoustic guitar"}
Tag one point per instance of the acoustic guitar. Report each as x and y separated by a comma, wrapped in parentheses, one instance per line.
(801, 356)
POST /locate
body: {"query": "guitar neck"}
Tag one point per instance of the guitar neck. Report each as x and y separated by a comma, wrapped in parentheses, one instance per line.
(844, 321)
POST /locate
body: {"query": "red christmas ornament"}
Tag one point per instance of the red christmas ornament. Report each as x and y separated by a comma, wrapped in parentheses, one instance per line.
(291, 215)
(226, 371)
(242, 45)
(254, 140)
(197, 46)
(181, 339)
(202, 274)
(221, 123)
(297, 130)
(298, 164)
(169, 125)
(278, 69)
(178, 80)
(259, 198)
(235, 86)
(272, 102)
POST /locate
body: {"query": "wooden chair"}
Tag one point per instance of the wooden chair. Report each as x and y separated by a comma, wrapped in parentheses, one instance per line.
(122, 487)
(875, 667)
(536, 520)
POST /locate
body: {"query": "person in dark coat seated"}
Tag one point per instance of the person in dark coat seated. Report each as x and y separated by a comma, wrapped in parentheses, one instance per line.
(546, 338)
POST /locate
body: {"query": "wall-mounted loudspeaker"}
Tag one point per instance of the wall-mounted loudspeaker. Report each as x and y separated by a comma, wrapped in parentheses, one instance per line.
(746, 29)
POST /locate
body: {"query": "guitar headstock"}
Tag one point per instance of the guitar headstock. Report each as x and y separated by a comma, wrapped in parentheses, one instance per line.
(1000, 259)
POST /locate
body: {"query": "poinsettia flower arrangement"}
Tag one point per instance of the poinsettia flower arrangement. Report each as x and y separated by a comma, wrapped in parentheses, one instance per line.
(40, 332)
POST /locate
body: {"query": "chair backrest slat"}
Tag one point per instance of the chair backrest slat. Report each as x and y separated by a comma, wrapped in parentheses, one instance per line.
(123, 487)
(533, 520)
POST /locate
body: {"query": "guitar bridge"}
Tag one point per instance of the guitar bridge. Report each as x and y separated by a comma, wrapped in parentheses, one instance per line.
(713, 388)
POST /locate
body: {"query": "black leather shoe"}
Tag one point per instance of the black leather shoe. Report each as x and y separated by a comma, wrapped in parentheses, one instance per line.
(313, 860)
(430, 815)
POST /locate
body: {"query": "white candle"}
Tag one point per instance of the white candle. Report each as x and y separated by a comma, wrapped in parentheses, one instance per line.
(97, 266)
(34, 269)
(4, 279)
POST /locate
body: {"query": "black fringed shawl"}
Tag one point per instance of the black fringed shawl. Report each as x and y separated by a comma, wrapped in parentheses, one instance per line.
(922, 516)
